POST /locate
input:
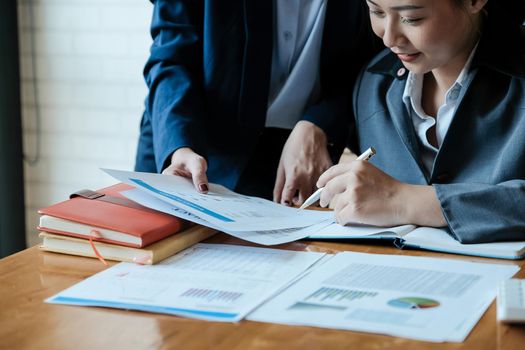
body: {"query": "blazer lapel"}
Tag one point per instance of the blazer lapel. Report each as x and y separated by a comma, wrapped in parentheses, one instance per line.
(403, 123)
(257, 61)
(454, 147)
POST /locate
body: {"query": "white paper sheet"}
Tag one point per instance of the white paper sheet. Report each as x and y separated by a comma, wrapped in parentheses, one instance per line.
(265, 237)
(225, 209)
(336, 231)
(415, 297)
(207, 281)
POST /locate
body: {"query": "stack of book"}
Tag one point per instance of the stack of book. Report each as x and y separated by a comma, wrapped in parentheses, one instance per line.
(106, 225)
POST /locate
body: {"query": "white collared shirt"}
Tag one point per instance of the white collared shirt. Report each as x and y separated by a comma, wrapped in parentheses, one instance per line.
(423, 122)
(294, 82)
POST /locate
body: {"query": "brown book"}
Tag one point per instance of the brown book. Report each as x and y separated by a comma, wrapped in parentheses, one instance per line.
(151, 254)
(107, 216)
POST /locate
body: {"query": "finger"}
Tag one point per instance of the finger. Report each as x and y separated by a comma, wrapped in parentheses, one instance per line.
(279, 184)
(334, 187)
(288, 192)
(306, 188)
(198, 166)
(334, 202)
(173, 170)
(302, 194)
(332, 172)
(344, 215)
(350, 213)
(179, 160)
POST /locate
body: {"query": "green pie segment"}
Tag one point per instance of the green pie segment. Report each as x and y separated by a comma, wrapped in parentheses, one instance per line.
(413, 303)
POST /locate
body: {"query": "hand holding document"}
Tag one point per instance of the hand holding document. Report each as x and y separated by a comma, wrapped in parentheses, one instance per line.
(251, 218)
(265, 237)
(264, 222)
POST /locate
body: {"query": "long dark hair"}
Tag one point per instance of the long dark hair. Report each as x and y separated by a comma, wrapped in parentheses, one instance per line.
(502, 28)
(512, 10)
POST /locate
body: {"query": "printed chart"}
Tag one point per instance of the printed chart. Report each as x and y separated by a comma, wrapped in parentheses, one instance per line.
(413, 303)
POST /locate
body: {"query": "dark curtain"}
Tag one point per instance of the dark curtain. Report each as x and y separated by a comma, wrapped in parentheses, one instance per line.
(12, 225)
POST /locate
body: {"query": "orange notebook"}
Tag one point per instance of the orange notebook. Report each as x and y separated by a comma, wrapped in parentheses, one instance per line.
(107, 216)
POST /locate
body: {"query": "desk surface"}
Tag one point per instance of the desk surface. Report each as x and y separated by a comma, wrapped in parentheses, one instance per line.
(29, 277)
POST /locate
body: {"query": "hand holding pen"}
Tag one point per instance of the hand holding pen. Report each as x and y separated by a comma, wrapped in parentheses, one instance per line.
(365, 156)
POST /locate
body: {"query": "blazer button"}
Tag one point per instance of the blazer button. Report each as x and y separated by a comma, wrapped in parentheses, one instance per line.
(443, 177)
(401, 72)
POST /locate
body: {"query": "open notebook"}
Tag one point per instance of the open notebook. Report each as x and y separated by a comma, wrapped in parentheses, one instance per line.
(424, 238)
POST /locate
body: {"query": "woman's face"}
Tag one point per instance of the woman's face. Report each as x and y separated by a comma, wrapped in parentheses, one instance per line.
(427, 35)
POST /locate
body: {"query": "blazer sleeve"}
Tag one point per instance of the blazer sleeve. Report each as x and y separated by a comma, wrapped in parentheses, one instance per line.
(173, 75)
(478, 213)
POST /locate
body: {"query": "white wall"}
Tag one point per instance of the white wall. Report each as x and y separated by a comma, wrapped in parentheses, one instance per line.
(89, 60)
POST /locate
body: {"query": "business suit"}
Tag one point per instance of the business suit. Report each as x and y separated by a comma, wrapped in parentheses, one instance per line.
(479, 171)
(208, 77)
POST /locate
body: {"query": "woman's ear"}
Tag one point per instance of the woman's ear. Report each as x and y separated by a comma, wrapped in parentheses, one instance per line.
(475, 6)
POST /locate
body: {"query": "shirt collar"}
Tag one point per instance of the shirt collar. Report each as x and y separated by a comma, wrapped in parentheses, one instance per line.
(414, 84)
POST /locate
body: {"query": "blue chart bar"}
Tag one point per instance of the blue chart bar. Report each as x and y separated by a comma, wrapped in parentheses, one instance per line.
(182, 201)
(211, 295)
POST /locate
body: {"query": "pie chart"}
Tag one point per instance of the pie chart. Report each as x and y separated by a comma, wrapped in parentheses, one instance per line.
(413, 303)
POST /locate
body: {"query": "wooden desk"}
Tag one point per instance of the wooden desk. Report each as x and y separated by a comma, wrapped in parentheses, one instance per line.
(29, 277)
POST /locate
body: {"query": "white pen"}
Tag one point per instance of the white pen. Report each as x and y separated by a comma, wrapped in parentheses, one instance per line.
(366, 155)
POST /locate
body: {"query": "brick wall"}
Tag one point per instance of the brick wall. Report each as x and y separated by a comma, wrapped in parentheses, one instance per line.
(89, 56)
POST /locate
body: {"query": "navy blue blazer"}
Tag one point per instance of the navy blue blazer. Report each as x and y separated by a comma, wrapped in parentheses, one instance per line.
(208, 77)
(479, 171)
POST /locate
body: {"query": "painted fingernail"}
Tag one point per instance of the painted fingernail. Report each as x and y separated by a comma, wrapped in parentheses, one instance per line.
(203, 187)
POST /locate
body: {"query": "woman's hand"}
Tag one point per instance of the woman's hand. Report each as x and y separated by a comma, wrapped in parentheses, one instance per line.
(361, 193)
(185, 162)
(304, 157)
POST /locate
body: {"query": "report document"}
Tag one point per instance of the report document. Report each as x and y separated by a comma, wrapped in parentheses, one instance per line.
(422, 298)
(214, 282)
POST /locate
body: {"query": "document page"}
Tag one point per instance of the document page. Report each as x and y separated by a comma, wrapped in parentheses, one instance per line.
(207, 281)
(225, 209)
(438, 239)
(421, 298)
(336, 231)
(265, 237)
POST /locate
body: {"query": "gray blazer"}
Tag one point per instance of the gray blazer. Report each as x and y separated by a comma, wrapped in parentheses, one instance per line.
(479, 171)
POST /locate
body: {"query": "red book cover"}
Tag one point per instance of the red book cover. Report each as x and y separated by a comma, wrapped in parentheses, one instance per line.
(128, 218)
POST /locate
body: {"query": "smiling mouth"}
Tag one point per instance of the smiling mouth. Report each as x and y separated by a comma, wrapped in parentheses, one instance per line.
(408, 57)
